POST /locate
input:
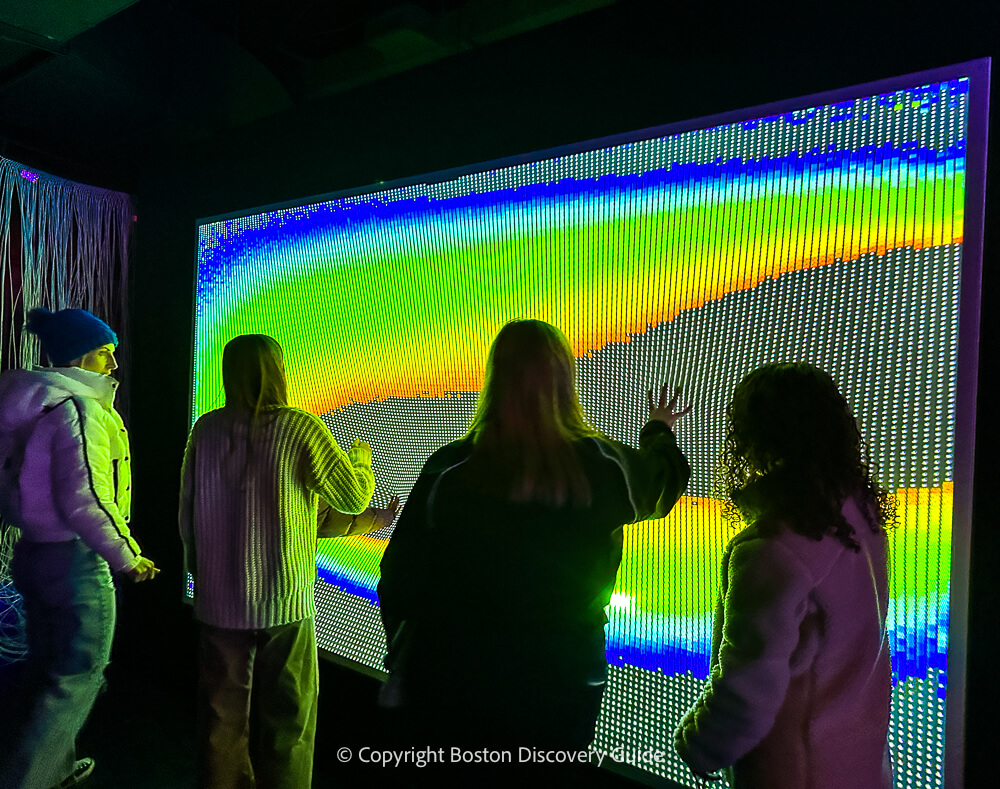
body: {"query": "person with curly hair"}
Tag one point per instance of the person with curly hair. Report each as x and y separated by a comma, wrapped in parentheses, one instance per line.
(800, 684)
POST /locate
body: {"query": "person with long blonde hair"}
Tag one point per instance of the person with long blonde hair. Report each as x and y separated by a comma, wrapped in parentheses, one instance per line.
(495, 580)
(257, 474)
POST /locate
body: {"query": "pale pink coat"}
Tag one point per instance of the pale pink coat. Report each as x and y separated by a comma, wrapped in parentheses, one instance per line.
(800, 686)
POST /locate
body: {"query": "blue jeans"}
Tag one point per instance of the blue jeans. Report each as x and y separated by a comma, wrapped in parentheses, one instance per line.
(69, 603)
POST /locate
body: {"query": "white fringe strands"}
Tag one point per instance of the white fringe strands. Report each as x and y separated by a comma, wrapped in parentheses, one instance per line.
(74, 246)
(73, 252)
(13, 639)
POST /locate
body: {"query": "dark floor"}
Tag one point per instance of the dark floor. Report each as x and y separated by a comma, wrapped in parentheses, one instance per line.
(141, 732)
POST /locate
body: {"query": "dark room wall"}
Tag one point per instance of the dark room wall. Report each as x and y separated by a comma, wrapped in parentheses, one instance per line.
(624, 67)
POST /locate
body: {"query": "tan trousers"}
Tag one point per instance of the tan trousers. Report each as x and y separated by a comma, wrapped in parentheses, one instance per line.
(257, 699)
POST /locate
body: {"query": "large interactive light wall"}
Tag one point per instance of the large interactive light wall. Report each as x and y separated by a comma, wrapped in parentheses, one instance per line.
(841, 229)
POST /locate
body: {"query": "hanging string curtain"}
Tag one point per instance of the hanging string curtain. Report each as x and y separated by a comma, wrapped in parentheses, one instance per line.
(64, 244)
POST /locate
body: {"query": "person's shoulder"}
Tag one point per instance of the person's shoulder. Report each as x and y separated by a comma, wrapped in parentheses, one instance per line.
(18, 380)
(303, 428)
(600, 444)
(752, 537)
(33, 390)
(212, 430)
(601, 455)
(770, 540)
(768, 536)
(606, 455)
(72, 406)
(861, 511)
(293, 418)
(447, 456)
(210, 419)
(773, 561)
(292, 414)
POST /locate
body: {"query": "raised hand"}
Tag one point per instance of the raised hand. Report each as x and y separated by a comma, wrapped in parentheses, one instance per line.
(664, 411)
(361, 450)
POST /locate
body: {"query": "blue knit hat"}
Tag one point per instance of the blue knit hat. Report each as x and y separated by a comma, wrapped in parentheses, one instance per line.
(68, 334)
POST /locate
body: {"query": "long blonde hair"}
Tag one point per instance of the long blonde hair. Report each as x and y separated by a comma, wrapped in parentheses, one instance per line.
(253, 377)
(529, 417)
(253, 374)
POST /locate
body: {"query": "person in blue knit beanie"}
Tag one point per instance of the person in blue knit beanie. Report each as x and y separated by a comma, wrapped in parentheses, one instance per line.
(67, 335)
(65, 482)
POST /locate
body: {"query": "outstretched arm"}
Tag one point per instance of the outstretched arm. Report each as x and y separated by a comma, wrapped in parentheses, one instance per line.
(343, 479)
(657, 473)
(341, 524)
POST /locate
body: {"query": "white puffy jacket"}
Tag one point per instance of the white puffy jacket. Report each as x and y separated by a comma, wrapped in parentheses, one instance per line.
(64, 461)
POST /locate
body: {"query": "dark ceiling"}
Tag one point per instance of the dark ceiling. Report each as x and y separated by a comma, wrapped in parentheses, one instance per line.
(110, 78)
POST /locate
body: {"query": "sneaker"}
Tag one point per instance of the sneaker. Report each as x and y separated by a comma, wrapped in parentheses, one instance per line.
(81, 770)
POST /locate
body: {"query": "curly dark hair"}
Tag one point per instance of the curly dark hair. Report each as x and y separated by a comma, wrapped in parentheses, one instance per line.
(794, 452)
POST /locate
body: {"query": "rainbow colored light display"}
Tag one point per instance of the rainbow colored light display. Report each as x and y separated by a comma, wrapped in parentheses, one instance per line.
(831, 234)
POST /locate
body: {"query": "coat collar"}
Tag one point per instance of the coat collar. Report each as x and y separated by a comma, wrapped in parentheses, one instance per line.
(81, 383)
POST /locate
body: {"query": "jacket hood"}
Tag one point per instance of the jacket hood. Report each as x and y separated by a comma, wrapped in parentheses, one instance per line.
(25, 393)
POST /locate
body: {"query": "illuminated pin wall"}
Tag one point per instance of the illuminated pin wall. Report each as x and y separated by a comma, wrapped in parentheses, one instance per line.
(829, 233)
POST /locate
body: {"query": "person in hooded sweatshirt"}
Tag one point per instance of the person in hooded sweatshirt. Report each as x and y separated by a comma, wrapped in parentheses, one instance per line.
(800, 684)
(261, 482)
(65, 483)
